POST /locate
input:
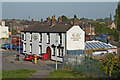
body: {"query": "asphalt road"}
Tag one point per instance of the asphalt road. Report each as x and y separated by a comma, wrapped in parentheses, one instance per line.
(7, 65)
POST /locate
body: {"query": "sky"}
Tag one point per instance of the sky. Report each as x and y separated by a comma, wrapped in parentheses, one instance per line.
(38, 10)
(60, 0)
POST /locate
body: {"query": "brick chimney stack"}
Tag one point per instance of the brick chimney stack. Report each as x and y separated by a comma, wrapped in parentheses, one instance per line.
(32, 19)
(41, 21)
(13, 20)
(48, 19)
(71, 21)
(75, 21)
(3, 22)
(59, 19)
(53, 21)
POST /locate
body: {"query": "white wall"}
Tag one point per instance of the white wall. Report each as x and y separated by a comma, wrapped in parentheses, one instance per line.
(75, 38)
(4, 33)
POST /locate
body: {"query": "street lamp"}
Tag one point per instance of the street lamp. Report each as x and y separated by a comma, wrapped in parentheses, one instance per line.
(56, 48)
(11, 35)
(19, 44)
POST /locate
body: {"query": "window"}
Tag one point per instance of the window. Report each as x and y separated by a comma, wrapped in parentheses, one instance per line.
(48, 38)
(30, 48)
(60, 38)
(24, 47)
(40, 49)
(22, 36)
(40, 37)
(62, 52)
(25, 36)
(53, 51)
(30, 37)
(59, 51)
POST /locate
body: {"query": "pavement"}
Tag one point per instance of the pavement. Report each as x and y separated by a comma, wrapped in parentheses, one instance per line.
(43, 67)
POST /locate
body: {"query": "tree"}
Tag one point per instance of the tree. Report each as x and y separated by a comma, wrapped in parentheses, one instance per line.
(100, 20)
(117, 17)
(75, 16)
(64, 18)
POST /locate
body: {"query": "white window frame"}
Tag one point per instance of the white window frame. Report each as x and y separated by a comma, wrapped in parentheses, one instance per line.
(40, 49)
(30, 47)
(30, 36)
(24, 47)
(40, 37)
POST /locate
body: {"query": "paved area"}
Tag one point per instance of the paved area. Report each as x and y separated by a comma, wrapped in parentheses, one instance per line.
(43, 67)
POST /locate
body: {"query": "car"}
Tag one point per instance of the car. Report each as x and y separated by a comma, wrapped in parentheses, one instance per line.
(30, 57)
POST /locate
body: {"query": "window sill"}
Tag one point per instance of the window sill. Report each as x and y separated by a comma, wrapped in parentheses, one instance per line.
(60, 56)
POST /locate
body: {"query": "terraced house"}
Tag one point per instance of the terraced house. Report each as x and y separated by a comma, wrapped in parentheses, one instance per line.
(53, 37)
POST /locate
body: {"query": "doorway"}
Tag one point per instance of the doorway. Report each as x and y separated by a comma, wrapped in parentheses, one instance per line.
(48, 51)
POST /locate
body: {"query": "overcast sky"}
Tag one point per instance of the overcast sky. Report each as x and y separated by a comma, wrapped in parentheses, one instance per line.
(38, 10)
(60, 0)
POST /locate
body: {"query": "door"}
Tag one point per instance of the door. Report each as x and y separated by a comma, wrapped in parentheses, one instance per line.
(48, 51)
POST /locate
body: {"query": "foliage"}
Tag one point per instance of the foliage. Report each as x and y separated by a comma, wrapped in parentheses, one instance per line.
(86, 19)
(17, 74)
(104, 29)
(64, 18)
(117, 17)
(14, 31)
(75, 16)
(67, 73)
(100, 20)
(111, 64)
(106, 20)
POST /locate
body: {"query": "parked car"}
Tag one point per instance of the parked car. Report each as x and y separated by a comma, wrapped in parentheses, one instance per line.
(30, 57)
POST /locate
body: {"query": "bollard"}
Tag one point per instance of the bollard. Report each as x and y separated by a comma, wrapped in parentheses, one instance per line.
(35, 59)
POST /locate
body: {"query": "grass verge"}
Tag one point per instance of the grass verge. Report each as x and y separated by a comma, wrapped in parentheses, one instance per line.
(67, 73)
(17, 74)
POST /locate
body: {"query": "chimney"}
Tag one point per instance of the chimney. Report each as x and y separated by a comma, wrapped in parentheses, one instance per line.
(3, 23)
(48, 19)
(71, 21)
(41, 21)
(32, 19)
(53, 21)
(59, 19)
(75, 21)
(13, 20)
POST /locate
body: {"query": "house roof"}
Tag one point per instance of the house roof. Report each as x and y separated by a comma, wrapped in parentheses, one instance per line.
(47, 28)
(98, 45)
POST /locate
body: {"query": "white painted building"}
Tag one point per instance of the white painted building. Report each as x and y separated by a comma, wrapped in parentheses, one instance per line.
(4, 30)
(52, 39)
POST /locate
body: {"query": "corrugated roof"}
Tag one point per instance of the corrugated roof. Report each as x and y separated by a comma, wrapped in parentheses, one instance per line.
(98, 45)
(48, 28)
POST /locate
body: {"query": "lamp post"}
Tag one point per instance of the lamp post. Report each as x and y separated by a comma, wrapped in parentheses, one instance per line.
(19, 44)
(11, 35)
(56, 49)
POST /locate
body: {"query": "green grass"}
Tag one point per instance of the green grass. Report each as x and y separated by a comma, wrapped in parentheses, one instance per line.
(66, 73)
(23, 74)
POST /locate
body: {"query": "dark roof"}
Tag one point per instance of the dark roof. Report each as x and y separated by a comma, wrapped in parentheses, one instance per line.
(47, 28)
